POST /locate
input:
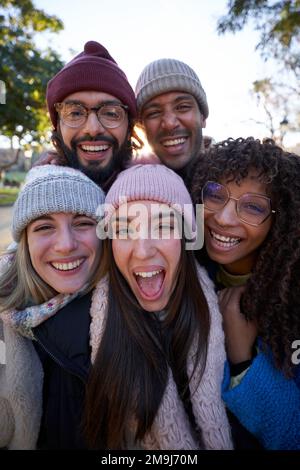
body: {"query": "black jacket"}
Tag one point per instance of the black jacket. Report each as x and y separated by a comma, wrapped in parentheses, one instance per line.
(63, 347)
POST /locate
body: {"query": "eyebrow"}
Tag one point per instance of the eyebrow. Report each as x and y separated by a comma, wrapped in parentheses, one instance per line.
(43, 217)
(106, 102)
(123, 219)
(178, 99)
(49, 217)
(160, 215)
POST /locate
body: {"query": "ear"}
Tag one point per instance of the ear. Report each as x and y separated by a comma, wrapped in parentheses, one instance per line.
(203, 122)
(140, 123)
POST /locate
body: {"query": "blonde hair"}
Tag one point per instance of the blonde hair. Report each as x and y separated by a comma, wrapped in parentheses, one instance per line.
(21, 286)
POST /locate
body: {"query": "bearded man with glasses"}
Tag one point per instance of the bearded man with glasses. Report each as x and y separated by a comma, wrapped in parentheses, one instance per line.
(92, 108)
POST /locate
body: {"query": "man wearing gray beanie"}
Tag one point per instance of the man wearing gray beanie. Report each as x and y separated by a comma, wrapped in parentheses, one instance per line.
(172, 108)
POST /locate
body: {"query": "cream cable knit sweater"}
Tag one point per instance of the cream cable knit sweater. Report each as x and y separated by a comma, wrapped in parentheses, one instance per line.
(21, 381)
(171, 429)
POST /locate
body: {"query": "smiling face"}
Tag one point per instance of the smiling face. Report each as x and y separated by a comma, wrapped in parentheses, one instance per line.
(173, 124)
(148, 259)
(64, 250)
(230, 241)
(95, 145)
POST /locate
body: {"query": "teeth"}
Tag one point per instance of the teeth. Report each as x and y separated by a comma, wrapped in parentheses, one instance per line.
(148, 274)
(67, 266)
(224, 239)
(168, 143)
(221, 238)
(94, 148)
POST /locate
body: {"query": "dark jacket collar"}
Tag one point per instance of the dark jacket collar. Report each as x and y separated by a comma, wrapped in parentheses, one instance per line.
(65, 336)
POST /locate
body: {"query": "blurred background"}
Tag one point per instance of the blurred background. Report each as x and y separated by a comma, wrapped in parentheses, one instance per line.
(246, 54)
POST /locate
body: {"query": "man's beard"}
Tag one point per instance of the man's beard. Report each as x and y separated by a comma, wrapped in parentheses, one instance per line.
(101, 176)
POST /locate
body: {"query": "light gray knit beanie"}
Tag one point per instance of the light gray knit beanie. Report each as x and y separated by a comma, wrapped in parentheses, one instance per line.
(50, 189)
(165, 75)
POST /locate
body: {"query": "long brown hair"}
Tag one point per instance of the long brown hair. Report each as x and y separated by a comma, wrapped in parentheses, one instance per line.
(130, 373)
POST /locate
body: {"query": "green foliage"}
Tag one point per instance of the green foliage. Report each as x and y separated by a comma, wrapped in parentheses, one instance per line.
(15, 176)
(278, 23)
(25, 69)
(279, 102)
(8, 196)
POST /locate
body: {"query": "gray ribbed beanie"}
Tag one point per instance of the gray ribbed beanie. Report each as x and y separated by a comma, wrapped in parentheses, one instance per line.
(165, 75)
(49, 189)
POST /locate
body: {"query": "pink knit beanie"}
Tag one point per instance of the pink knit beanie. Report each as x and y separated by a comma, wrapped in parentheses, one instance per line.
(151, 182)
(92, 70)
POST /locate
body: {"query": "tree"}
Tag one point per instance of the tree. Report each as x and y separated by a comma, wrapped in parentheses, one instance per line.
(278, 102)
(277, 21)
(25, 70)
(7, 161)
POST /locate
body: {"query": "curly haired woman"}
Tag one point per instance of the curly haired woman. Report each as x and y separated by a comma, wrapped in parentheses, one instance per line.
(251, 196)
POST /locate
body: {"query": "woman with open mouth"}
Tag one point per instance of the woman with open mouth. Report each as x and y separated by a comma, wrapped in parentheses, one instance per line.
(157, 343)
(251, 196)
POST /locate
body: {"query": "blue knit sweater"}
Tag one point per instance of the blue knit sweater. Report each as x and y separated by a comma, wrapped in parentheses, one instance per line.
(267, 403)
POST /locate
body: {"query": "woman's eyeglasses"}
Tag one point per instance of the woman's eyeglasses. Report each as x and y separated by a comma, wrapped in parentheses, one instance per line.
(251, 208)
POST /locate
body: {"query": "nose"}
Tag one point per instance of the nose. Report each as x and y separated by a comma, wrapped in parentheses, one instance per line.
(66, 240)
(227, 216)
(92, 125)
(169, 120)
(144, 248)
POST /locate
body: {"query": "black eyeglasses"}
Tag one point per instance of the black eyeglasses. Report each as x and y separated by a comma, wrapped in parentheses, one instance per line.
(251, 208)
(76, 114)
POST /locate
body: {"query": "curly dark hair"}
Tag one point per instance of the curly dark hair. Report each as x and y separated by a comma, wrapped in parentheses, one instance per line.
(271, 296)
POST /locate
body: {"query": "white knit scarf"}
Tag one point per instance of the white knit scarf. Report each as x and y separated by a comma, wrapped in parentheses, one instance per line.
(171, 429)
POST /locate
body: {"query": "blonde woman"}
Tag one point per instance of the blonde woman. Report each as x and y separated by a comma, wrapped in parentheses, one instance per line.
(57, 259)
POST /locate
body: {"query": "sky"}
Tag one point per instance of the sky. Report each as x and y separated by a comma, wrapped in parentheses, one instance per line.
(136, 32)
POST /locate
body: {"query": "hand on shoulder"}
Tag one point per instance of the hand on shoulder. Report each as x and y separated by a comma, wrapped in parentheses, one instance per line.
(50, 157)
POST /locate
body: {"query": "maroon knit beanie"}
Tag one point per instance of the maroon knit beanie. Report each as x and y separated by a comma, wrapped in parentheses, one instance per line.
(92, 70)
